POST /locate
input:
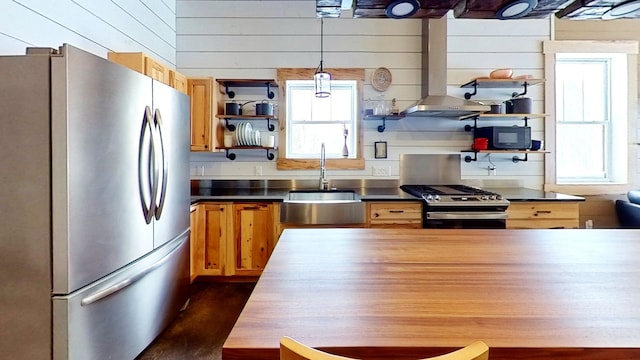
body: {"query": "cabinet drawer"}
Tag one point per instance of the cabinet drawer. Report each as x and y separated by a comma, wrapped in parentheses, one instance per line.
(388, 214)
(543, 224)
(542, 210)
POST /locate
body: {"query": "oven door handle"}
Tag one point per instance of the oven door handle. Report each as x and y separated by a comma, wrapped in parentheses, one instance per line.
(468, 215)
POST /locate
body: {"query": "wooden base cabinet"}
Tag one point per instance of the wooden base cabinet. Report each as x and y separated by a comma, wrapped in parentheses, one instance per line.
(254, 237)
(389, 214)
(232, 238)
(209, 249)
(543, 215)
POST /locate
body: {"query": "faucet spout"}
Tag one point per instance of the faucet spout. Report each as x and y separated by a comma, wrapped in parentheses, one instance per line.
(324, 183)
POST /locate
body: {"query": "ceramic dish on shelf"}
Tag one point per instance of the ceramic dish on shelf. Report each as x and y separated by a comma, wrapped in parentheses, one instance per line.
(256, 138)
(237, 134)
(248, 131)
(240, 130)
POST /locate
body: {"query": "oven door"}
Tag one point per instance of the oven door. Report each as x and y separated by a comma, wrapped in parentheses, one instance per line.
(465, 220)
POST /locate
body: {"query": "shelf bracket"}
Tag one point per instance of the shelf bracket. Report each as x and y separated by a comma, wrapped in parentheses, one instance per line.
(468, 95)
(469, 159)
(270, 93)
(230, 94)
(270, 155)
(270, 126)
(516, 159)
(230, 127)
(230, 156)
(516, 94)
(468, 127)
(384, 124)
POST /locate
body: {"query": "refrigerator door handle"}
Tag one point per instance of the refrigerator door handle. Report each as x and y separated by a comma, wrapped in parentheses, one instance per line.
(164, 163)
(147, 185)
(103, 293)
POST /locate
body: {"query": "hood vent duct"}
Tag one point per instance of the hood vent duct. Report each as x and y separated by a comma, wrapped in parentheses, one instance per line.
(435, 101)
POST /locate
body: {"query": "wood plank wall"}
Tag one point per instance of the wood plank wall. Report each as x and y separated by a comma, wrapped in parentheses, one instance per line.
(251, 39)
(148, 26)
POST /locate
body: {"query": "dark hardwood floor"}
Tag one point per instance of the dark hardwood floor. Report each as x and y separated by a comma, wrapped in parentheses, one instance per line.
(200, 331)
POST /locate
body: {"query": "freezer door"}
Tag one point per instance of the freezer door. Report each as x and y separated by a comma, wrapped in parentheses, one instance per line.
(119, 316)
(172, 120)
(98, 114)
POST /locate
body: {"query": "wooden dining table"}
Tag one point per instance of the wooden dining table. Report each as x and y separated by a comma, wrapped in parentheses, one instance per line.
(413, 293)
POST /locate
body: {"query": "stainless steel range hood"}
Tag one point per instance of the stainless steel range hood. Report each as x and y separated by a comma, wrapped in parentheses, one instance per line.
(435, 101)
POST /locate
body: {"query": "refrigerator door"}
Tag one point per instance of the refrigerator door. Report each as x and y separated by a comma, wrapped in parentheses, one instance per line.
(98, 116)
(118, 316)
(171, 115)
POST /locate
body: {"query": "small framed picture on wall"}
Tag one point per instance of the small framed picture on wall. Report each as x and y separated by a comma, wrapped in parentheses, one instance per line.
(380, 149)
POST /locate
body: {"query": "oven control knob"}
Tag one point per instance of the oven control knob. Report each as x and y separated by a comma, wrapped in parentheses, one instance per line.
(436, 197)
(492, 197)
(500, 197)
(484, 197)
(429, 197)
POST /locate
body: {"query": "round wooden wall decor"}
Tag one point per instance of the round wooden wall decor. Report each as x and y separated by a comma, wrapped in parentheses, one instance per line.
(381, 79)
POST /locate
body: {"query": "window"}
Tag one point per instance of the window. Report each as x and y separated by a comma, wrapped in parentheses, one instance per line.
(313, 121)
(307, 121)
(590, 116)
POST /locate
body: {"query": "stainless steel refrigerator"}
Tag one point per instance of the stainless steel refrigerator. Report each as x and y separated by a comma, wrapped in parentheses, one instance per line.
(94, 206)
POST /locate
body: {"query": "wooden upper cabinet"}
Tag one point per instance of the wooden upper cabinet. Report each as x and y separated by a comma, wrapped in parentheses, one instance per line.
(178, 81)
(254, 233)
(141, 63)
(206, 130)
(156, 70)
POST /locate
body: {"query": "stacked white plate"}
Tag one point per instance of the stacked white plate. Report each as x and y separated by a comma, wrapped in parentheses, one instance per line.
(246, 136)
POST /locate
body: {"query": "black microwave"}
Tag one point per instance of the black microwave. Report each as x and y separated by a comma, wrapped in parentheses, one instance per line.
(505, 137)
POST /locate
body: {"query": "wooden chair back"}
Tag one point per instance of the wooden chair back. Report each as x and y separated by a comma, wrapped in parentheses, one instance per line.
(291, 349)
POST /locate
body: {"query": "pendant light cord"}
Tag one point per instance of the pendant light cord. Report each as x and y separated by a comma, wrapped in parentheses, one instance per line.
(321, 41)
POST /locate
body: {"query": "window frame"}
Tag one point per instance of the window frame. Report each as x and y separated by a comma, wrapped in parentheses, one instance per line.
(284, 163)
(550, 49)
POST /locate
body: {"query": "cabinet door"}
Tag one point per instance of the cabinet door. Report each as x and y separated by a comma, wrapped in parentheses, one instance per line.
(212, 235)
(156, 70)
(254, 233)
(193, 238)
(395, 214)
(204, 136)
(178, 81)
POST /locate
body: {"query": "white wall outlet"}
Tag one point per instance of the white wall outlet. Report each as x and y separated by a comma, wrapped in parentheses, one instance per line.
(382, 171)
(258, 170)
(492, 170)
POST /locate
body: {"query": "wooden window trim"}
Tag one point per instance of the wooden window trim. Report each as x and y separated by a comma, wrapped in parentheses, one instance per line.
(550, 49)
(283, 163)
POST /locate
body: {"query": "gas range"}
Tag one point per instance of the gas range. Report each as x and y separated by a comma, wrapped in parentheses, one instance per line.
(457, 196)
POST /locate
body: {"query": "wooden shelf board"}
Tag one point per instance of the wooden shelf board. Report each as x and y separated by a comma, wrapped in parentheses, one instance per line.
(247, 82)
(501, 83)
(508, 151)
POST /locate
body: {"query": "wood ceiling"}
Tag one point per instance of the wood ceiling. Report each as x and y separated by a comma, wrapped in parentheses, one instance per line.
(474, 9)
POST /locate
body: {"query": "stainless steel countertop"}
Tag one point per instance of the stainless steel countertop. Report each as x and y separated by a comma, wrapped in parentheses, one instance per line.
(381, 190)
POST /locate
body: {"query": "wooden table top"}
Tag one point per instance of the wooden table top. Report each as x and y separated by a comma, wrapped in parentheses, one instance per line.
(406, 294)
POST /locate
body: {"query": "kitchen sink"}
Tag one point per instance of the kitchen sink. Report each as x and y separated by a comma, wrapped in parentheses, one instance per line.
(322, 207)
(322, 196)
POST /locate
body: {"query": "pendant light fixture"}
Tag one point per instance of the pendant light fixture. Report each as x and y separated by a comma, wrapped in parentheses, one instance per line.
(322, 78)
(516, 9)
(401, 9)
(626, 9)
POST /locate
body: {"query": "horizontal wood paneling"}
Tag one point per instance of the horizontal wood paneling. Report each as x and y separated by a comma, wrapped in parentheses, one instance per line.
(98, 27)
(251, 39)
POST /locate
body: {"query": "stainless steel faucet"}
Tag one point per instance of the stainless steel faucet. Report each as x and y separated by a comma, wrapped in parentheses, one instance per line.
(324, 183)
